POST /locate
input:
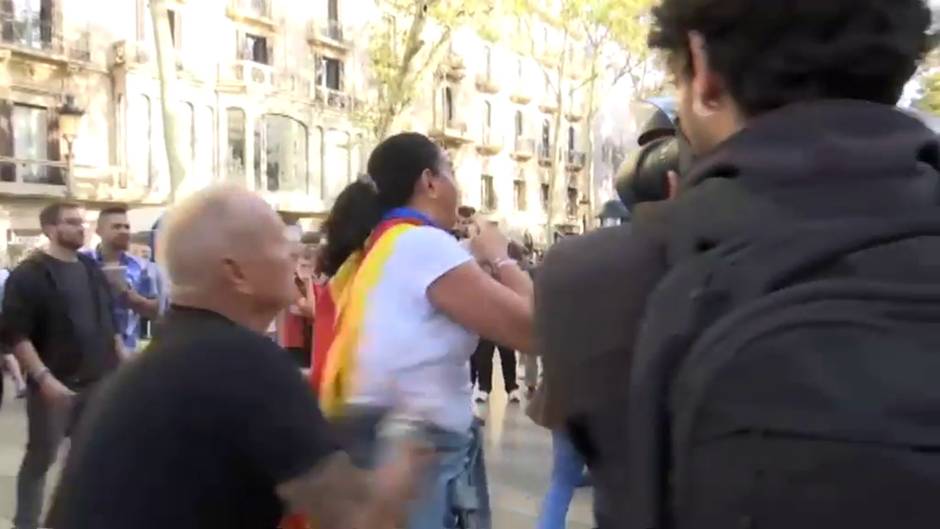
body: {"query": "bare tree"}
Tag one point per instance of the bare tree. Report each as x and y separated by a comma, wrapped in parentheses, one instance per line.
(166, 63)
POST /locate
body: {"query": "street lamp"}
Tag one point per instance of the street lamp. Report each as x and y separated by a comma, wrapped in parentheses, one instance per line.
(614, 213)
(70, 117)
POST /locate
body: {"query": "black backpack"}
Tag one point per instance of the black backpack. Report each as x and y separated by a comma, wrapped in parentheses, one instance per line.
(791, 380)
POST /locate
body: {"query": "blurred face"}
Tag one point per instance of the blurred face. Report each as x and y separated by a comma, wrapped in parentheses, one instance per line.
(442, 189)
(115, 231)
(304, 267)
(69, 231)
(264, 266)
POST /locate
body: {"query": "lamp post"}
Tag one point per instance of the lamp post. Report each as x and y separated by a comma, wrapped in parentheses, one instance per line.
(70, 117)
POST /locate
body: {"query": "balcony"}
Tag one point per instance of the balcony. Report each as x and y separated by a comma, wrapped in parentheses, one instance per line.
(521, 94)
(549, 105)
(524, 149)
(451, 132)
(293, 85)
(575, 160)
(329, 34)
(35, 39)
(550, 58)
(252, 12)
(454, 67)
(487, 84)
(490, 143)
(545, 155)
(246, 76)
(42, 177)
(332, 99)
(574, 113)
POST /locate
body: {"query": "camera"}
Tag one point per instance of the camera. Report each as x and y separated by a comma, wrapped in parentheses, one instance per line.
(663, 148)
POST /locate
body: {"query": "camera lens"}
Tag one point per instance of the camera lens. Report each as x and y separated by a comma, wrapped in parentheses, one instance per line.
(643, 176)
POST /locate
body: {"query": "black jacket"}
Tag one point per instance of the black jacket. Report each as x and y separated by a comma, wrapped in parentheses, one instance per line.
(820, 161)
(36, 310)
(828, 159)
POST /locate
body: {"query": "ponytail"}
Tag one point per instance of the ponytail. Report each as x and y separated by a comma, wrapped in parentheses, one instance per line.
(355, 214)
(394, 168)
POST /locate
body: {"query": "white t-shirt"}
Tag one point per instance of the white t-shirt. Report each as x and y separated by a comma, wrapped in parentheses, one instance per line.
(411, 356)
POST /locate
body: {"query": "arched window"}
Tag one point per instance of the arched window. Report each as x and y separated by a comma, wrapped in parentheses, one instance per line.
(235, 161)
(520, 124)
(284, 151)
(571, 138)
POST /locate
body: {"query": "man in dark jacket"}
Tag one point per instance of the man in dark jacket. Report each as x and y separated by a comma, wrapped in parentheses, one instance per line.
(790, 108)
(58, 320)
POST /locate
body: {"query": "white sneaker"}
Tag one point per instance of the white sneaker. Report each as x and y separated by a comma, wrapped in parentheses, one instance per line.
(482, 397)
(514, 397)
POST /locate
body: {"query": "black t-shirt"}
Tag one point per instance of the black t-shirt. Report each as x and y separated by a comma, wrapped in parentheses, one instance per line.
(75, 285)
(195, 433)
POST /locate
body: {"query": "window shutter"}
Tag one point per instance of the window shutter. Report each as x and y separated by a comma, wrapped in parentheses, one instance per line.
(6, 15)
(269, 51)
(341, 76)
(240, 46)
(7, 169)
(47, 20)
(56, 175)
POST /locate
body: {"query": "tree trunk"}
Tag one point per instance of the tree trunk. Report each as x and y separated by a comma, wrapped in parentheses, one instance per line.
(589, 163)
(558, 166)
(166, 63)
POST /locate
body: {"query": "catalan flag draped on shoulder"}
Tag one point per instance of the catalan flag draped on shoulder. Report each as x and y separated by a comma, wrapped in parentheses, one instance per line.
(340, 312)
(342, 305)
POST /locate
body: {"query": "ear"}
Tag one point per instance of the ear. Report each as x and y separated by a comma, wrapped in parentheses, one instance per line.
(235, 276)
(707, 87)
(427, 183)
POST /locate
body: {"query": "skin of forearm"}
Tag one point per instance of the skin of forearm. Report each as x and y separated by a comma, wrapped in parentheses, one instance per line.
(516, 280)
(146, 307)
(334, 492)
(28, 357)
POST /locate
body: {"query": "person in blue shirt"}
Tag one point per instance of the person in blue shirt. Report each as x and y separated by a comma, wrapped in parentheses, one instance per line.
(130, 277)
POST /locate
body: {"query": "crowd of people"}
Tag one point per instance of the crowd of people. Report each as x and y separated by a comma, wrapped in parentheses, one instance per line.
(755, 348)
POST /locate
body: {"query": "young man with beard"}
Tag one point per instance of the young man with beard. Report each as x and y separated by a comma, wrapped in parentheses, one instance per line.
(790, 109)
(130, 277)
(58, 321)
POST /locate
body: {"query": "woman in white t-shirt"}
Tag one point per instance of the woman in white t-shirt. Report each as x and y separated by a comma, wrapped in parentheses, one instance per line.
(427, 304)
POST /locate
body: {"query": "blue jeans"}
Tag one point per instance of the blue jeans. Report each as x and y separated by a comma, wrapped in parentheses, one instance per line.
(567, 472)
(434, 506)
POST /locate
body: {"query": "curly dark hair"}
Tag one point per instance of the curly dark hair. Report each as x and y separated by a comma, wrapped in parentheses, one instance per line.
(775, 52)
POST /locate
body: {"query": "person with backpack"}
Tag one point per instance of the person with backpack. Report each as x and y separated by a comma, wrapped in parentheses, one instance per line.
(591, 294)
(785, 371)
(785, 375)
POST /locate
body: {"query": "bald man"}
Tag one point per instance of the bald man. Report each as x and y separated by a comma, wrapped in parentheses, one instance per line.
(213, 426)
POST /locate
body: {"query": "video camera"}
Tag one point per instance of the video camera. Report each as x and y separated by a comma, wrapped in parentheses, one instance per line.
(663, 148)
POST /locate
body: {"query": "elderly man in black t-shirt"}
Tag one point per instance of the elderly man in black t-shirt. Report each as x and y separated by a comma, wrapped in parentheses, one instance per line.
(212, 426)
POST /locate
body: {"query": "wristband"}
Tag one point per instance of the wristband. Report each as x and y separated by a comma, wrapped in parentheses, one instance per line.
(39, 376)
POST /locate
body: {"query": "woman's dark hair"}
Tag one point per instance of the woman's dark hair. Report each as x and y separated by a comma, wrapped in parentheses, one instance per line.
(394, 168)
(776, 52)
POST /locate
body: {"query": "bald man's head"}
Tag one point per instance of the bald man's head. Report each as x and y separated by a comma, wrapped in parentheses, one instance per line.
(224, 243)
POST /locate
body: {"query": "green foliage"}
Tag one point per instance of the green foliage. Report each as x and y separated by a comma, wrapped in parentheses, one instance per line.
(930, 100)
(408, 44)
